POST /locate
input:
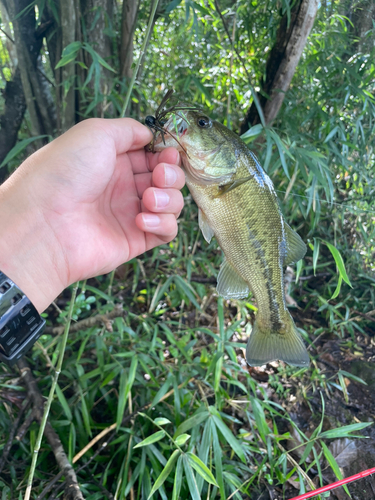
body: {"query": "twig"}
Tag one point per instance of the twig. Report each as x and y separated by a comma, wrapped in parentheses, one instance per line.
(50, 485)
(12, 432)
(88, 322)
(26, 424)
(131, 84)
(72, 489)
(8, 36)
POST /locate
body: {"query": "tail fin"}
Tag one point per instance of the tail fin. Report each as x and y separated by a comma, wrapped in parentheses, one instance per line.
(265, 346)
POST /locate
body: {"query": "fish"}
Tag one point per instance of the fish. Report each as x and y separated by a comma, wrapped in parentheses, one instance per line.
(238, 206)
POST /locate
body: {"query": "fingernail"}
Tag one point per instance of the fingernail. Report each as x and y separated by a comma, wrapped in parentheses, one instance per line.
(170, 175)
(151, 220)
(161, 198)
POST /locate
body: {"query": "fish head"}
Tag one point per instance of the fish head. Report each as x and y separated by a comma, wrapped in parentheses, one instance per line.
(209, 153)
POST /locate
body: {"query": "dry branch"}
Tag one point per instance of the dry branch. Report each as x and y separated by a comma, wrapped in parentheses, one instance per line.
(97, 320)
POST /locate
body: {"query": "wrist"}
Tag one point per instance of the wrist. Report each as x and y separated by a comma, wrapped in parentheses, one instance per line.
(27, 252)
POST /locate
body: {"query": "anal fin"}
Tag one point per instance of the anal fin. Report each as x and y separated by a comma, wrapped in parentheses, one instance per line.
(230, 285)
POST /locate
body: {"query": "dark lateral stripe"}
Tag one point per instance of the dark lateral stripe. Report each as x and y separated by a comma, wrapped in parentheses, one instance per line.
(276, 323)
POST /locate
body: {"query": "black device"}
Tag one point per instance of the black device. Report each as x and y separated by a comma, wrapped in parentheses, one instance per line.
(20, 323)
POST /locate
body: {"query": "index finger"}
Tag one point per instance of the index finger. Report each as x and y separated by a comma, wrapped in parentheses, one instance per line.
(128, 134)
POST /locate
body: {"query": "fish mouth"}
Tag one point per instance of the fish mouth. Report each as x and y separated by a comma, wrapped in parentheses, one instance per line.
(173, 130)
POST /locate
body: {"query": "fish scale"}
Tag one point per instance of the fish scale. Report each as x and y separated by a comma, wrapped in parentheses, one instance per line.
(238, 205)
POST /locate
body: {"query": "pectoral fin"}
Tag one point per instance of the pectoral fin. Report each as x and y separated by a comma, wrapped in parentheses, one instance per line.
(295, 247)
(206, 229)
(230, 285)
(232, 185)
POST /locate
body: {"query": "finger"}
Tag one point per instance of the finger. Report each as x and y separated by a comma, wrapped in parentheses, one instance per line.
(168, 201)
(162, 225)
(168, 155)
(146, 162)
(128, 134)
(164, 176)
(167, 175)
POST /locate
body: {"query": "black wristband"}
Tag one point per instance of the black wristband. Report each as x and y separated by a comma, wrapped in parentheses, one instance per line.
(20, 323)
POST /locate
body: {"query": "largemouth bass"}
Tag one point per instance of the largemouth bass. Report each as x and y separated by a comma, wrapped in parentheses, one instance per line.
(238, 205)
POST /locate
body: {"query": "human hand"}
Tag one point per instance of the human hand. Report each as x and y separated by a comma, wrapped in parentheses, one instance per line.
(84, 204)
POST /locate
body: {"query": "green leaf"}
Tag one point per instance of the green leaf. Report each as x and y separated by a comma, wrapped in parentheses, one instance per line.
(338, 288)
(227, 434)
(151, 439)
(171, 6)
(122, 399)
(63, 402)
(191, 422)
(218, 458)
(177, 480)
(181, 439)
(345, 430)
(339, 262)
(19, 147)
(69, 54)
(191, 481)
(316, 253)
(165, 472)
(162, 421)
(332, 462)
(201, 468)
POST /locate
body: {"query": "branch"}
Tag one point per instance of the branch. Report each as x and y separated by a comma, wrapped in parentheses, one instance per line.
(96, 320)
(12, 432)
(72, 490)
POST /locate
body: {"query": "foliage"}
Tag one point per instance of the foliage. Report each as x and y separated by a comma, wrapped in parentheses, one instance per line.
(203, 426)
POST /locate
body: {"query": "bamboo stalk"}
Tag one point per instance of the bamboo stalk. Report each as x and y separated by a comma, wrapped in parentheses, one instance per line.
(50, 396)
(135, 72)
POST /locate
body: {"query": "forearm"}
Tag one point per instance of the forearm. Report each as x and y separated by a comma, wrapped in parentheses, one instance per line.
(27, 247)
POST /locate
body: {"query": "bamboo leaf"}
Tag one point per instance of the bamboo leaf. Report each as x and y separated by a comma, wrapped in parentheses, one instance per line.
(227, 434)
(165, 472)
(339, 262)
(182, 438)
(64, 403)
(19, 147)
(191, 481)
(177, 479)
(201, 468)
(151, 439)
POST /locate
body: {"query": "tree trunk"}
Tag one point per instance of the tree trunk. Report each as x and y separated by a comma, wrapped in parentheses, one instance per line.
(282, 61)
(98, 15)
(68, 76)
(128, 23)
(28, 43)
(11, 119)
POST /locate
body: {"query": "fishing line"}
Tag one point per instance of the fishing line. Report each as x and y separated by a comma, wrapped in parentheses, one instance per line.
(329, 202)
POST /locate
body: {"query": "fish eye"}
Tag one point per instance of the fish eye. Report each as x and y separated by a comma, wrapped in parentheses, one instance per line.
(204, 122)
